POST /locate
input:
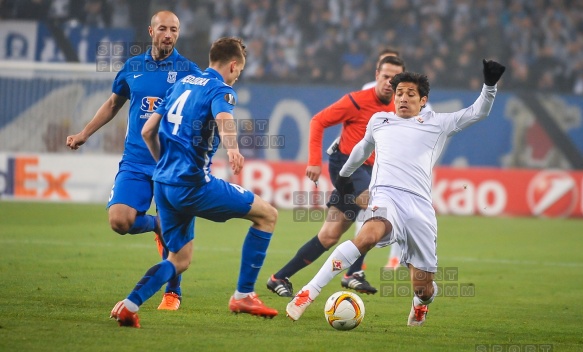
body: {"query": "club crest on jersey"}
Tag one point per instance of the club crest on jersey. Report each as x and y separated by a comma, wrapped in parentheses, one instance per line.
(336, 265)
(171, 77)
(419, 119)
(230, 98)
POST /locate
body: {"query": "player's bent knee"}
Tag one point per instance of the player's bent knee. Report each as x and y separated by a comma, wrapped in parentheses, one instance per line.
(120, 226)
(365, 241)
(271, 214)
(180, 264)
(269, 218)
(181, 267)
(328, 239)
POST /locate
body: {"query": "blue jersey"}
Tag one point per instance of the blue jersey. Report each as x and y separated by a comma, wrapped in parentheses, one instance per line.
(144, 82)
(188, 132)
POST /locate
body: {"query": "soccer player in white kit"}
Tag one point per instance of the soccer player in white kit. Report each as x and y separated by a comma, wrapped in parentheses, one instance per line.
(407, 145)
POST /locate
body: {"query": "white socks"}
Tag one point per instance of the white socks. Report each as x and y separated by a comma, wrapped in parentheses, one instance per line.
(358, 222)
(395, 251)
(239, 295)
(131, 306)
(417, 301)
(340, 259)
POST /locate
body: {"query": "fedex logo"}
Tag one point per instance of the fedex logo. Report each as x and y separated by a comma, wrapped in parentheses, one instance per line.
(150, 104)
(23, 180)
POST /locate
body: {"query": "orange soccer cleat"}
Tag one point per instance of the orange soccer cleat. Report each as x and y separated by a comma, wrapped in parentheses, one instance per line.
(251, 305)
(170, 301)
(123, 316)
(393, 263)
(296, 307)
(159, 244)
(417, 315)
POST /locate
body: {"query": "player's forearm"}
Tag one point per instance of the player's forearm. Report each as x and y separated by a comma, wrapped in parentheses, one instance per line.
(483, 105)
(315, 143)
(480, 108)
(104, 114)
(361, 151)
(227, 131)
(150, 135)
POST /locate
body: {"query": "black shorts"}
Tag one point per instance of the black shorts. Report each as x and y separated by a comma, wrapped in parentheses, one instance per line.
(361, 179)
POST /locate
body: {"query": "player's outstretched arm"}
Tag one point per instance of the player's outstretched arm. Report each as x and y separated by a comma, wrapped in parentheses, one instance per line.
(228, 132)
(480, 109)
(150, 135)
(106, 113)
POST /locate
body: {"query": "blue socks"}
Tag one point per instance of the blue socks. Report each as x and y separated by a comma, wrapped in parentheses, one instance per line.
(147, 223)
(356, 266)
(174, 283)
(152, 281)
(254, 251)
(143, 223)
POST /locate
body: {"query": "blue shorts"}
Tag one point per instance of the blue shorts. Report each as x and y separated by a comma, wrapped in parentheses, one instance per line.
(178, 206)
(361, 179)
(133, 186)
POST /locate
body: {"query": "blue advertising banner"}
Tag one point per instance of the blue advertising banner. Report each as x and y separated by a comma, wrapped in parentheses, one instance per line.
(33, 41)
(509, 137)
(274, 120)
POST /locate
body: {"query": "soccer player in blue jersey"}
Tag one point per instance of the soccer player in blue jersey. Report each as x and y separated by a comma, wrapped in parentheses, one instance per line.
(144, 80)
(183, 135)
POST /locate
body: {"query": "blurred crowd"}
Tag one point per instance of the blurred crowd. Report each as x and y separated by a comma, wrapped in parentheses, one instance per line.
(337, 41)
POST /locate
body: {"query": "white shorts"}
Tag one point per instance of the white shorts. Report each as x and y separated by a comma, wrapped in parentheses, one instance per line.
(414, 225)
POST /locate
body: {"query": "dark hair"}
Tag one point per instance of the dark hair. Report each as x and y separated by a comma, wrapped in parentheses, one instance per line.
(226, 49)
(412, 77)
(388, 51)
(393, 60)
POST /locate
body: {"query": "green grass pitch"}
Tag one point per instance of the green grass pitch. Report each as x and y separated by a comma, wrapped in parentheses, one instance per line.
(62, 269)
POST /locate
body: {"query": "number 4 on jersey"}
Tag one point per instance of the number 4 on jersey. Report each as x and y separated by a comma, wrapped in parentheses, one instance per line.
(175, 112)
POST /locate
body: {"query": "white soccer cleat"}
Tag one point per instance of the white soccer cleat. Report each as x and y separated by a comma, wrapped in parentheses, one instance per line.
(417, 315)
(298, 305)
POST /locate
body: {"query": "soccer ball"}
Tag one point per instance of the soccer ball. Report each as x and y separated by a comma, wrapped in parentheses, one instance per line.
(344, 310)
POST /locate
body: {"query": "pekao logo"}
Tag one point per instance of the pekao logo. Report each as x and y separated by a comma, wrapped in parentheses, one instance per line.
(552, 194)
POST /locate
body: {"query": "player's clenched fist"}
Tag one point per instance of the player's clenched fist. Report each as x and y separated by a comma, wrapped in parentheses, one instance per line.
(75, 141)
(492, 71)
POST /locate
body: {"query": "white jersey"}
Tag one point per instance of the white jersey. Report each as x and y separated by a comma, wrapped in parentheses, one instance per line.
(408, 148)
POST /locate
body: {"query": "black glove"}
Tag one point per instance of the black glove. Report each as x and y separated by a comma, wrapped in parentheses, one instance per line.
(344, 185)
(492, 72)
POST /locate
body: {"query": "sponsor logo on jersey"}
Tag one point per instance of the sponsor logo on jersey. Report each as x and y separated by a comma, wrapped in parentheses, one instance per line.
(171, 77)
(386, 120)
(150, 104)
(419, 119)
(552, 194)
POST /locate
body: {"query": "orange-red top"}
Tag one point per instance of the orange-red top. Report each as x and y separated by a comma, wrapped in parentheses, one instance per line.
(353, 110)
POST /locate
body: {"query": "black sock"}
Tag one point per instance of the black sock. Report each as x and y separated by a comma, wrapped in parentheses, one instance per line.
(309, 252)
(356, 266)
